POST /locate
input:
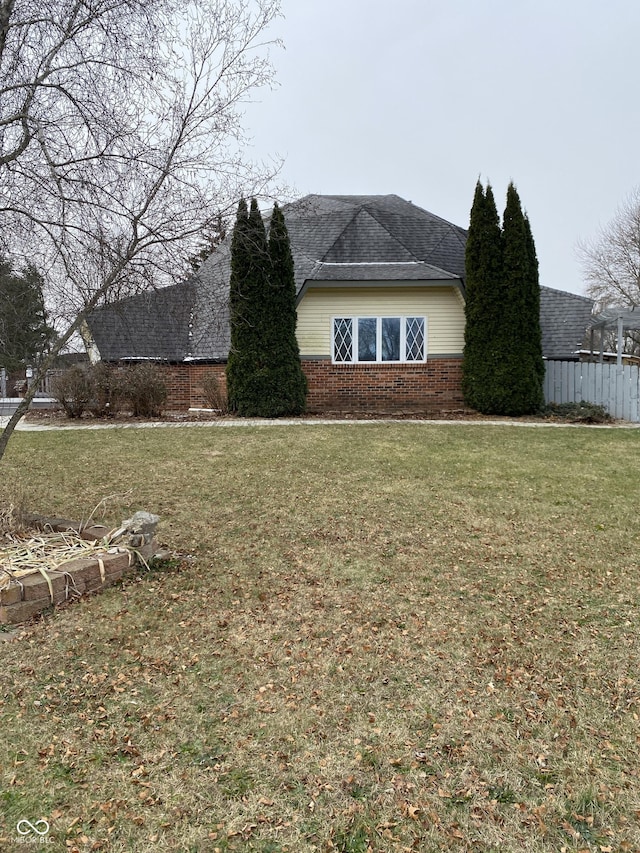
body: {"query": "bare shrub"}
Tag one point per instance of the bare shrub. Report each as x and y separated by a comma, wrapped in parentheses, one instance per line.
(145, 389)
(108, 392)
(72, 389)
(214, 394)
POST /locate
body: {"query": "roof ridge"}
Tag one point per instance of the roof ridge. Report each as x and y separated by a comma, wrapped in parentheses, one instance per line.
(370, 263)
(357, 210)
(364, 210)
(568, 293)
(404, 246)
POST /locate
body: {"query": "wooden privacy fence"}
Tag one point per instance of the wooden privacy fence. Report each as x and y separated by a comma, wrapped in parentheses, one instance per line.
(616, 388)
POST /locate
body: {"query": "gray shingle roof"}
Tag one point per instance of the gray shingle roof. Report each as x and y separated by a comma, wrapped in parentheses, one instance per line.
(333, 238)
(153, 325)
(341, 238)
(564, 319)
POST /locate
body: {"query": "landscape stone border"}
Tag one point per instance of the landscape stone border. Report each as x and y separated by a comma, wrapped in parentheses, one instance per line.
(24, 598)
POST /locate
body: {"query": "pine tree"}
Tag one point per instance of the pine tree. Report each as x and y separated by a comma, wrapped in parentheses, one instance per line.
(264, 375)
(502, 364)
(483, 281)
(239, 265)
(210, 238)
(249, 285)
(25, 333)
(522, 368)
(534, 303)
(287, 389)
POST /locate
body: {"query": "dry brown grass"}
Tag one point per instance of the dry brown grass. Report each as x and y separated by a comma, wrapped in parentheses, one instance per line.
(387, 637)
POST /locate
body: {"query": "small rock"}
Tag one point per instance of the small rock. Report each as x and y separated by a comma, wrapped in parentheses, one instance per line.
(142, 524)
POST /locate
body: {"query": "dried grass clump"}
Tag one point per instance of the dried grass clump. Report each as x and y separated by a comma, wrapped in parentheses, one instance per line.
(8, 521)
(11, 517)
(25, 552)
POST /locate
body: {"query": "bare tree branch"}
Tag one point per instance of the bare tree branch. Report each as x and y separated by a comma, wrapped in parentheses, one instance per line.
(611, 260)
(121, 138)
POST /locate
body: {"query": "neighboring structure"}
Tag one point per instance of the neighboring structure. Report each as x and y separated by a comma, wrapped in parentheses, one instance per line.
(564, 320)
(380, 311)
(618, 321)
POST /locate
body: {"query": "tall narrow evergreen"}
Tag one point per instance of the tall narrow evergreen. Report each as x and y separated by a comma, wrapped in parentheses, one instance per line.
(534, 302)
(502, 364)
(239, 265)
(264, 375)
(483, 280)
(522, 368)
(288, 384)
(249, 286)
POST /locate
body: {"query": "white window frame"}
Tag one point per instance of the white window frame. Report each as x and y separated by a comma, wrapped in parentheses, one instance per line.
(354, 338)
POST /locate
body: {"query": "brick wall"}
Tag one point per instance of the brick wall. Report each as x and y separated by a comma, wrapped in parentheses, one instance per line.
(427, 388)
(377, 388)
(186, 384)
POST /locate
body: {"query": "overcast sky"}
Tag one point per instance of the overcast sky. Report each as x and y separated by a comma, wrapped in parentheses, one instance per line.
(421, 98)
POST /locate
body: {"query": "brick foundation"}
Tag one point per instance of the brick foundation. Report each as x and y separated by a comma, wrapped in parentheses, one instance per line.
(186, 384)
(430, 388)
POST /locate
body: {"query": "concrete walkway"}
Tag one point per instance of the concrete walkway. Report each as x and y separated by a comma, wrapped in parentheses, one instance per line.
(31, 426)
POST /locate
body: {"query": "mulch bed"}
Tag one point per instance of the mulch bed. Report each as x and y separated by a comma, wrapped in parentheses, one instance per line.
(53, 417)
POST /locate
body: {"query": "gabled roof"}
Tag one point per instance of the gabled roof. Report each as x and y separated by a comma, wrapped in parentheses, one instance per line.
(564, 319)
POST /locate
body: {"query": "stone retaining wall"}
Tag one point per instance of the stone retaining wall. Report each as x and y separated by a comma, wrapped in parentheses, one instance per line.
(31, 594)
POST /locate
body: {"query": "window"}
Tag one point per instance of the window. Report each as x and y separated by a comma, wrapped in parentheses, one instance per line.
(379, 339)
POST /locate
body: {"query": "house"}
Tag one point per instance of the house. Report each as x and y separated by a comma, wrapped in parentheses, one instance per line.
(380, 286)
(564, 320)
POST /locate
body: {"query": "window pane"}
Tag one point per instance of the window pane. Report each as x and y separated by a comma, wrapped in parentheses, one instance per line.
(391, 338)
(343, 339)
(415, 338)
(367, 338)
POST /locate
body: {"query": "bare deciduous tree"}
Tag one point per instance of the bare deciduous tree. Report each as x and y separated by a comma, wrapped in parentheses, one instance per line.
(121, 136)
(611, 260)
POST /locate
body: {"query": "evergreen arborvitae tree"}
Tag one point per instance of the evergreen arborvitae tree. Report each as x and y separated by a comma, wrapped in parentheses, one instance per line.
(286, 389)
(483, 311)
(264, 375)
(238, 274)
(247, 288)
(25, 333)
(534, 303)
(522, 368)
(502, 365)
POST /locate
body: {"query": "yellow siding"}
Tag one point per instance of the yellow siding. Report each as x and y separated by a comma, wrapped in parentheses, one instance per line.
(442, 307)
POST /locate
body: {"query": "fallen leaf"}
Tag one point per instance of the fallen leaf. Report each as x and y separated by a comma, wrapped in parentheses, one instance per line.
(413, 812)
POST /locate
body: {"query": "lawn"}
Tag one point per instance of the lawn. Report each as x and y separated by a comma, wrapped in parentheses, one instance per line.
(374, 637)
